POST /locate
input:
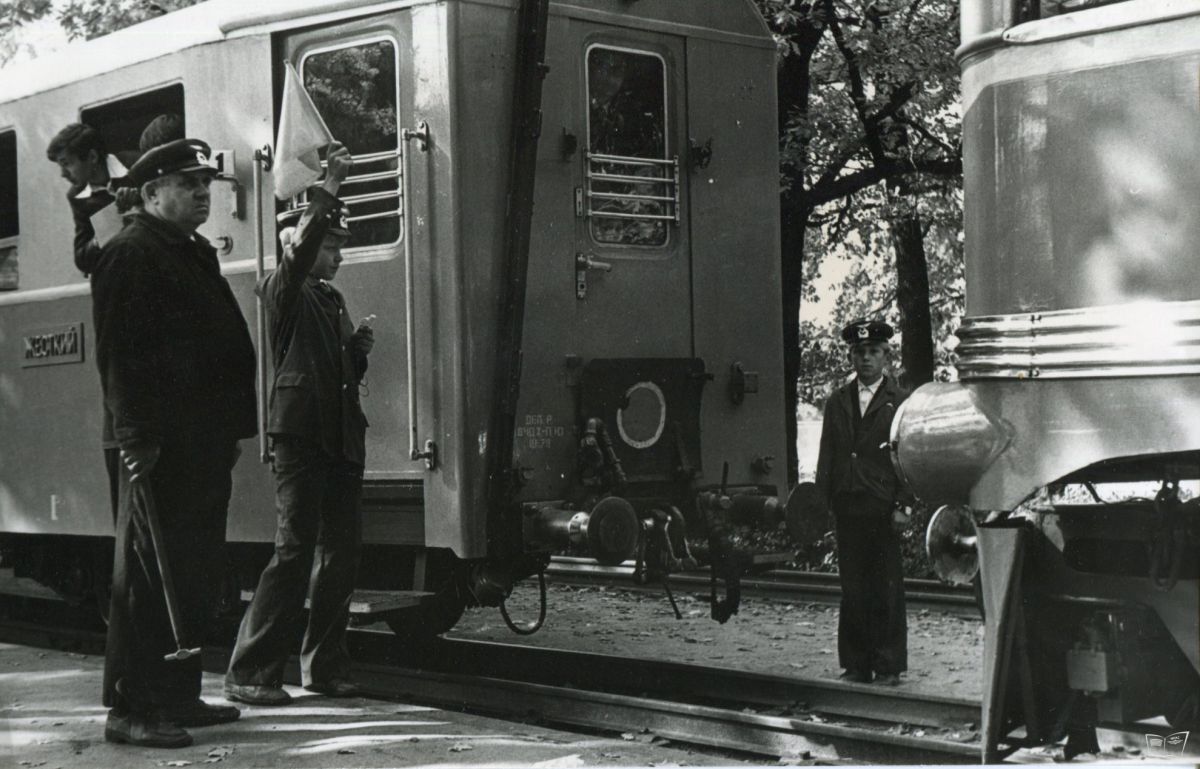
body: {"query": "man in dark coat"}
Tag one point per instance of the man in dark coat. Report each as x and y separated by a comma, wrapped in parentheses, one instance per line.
(319, 432)
(177, 369)
(856, 480)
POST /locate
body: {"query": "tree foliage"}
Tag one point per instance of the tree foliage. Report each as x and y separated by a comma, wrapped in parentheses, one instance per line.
(80, 19)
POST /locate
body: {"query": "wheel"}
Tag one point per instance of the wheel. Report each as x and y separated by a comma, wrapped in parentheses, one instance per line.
(436, 615)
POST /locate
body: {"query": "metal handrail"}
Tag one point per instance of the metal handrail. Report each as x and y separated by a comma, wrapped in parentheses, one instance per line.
(421, 134)
(628, 160)
(397, 213)
(393, 173)
(371, 157)
(633, 179)
(630, 196)
(368, 197)
(645, 217)
(261, 157)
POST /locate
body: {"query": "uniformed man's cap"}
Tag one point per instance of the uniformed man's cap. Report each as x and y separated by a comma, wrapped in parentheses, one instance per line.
(184, 156)
(867, 331)
(339, 220)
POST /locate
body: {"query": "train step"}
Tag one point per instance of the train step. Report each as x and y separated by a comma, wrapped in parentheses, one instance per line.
(367, 602)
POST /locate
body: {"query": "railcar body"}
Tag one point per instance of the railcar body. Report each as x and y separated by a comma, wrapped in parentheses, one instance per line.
(651, 357)
(1079, 364)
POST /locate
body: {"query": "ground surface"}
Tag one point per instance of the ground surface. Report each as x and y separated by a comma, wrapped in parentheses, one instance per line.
(50, 717)
(945, 652)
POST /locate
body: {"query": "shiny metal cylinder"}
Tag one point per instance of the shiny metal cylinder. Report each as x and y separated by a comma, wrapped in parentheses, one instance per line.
(943, 441)
(610, 530)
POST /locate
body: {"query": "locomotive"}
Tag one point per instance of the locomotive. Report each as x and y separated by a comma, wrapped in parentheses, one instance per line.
(1066, 455)
(604, 374)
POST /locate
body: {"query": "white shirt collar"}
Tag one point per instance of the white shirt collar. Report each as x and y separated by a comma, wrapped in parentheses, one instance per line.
(870, 388)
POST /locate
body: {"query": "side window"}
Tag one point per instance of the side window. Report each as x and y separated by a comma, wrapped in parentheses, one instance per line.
(122, 121)
(632, 181)
(355, 90)
(1030, 10)
(10, 225)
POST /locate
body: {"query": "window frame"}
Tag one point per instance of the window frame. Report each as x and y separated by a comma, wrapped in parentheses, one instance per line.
(365, 252)
(669, 241)
(124, 97)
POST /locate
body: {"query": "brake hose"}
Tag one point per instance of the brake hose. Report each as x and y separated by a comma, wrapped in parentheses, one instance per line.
(531, 627)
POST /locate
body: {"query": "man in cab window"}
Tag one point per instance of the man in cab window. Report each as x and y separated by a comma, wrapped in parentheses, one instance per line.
(177, 368)
(93, 174)
(318, 432)
(856, 480)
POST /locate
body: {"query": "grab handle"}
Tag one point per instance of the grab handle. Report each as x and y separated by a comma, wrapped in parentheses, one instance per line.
(429, 451)
(263, 160)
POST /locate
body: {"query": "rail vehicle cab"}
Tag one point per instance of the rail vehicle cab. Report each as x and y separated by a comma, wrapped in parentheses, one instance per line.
(1067, 454)
(651, 363)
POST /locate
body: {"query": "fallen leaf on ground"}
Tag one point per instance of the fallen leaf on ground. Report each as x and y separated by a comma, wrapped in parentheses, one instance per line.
(459, 747)
(562, 762)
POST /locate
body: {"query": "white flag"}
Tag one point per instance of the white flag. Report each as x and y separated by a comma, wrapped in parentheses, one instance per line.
(302, 133)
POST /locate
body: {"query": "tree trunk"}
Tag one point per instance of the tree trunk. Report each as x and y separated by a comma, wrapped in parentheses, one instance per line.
(912, 295)
(793, 225)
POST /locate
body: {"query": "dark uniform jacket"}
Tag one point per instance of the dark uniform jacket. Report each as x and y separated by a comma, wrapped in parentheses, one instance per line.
(317, 371)
(87, 253)
(855, 457)
(174, 353)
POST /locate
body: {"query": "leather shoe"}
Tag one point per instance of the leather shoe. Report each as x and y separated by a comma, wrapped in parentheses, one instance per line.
(335, 687)
(144, 730)
(887, 679)
(256, 694)
(856, 676)
(198, 713)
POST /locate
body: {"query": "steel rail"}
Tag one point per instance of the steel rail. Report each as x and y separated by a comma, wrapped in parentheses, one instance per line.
(776, 584)
(695, 724)
(685, 682)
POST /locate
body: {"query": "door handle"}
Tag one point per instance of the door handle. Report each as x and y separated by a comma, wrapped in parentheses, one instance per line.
(583, 263)
(588, 262)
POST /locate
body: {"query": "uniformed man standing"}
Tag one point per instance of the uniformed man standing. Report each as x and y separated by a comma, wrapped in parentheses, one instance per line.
(177, 368)
(856, 480)
(318, 430)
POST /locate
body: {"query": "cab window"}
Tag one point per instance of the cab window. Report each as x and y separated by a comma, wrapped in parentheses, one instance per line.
(632, 181)
(1029, 10)
(10, 225)
(122, 121)
(355, 89)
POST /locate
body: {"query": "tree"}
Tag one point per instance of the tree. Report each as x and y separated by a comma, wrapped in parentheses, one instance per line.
(868, 127)
(80, 19)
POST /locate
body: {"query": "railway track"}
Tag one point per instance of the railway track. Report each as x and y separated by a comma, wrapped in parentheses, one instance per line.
(752, 713)
(777, 584)
(730, 710)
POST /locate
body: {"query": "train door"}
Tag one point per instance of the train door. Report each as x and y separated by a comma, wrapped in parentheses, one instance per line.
(632, 257)
(356, 74)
